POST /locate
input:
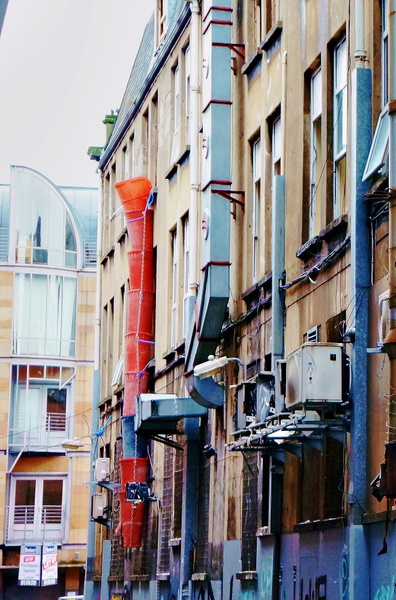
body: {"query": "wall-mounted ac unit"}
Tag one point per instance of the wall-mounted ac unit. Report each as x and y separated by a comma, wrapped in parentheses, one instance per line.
(265, 395)
(314, 374)
(99, 503)
(101, 469)
(280, 385)
(246, 405)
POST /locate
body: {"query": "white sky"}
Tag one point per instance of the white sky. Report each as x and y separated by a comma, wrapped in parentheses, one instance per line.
(64, 64)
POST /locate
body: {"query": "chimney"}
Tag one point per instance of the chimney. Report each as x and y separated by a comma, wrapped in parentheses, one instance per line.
(109, 121)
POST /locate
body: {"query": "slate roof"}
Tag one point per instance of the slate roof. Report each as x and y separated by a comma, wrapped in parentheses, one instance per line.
(147, 64)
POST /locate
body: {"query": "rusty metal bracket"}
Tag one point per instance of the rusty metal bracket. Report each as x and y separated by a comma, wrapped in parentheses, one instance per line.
(239, 49)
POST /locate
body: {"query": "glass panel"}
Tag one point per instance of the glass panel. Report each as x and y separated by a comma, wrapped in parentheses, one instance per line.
(52, 501)
(40, 222)
(70, 238)
(56, 224)
(21, 313)
(56, 410)
(36, 372)
(53, 317)
(69, 316)
(25, 492)
(24, 218)
(316, 100)
(379, 145)
(52, 492)
(38, 298)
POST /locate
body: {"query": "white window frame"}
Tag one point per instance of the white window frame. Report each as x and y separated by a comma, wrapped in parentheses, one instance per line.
(315, 153)
(174, 288)
(176, 114)
(36, 522)
(276, 147)
(340, 120)
(186, 253)
(187, 92)
(256, 205)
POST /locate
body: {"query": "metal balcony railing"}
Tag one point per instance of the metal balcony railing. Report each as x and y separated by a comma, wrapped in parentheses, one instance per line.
(49, 433)
(35, 523)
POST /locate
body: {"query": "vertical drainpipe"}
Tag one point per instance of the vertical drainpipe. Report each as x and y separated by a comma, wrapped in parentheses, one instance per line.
(390, 341)
(91, 588)
(361, 134)
(191, 426)
(194, 155)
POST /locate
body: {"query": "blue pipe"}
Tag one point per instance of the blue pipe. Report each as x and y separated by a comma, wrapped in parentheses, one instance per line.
(361, 130)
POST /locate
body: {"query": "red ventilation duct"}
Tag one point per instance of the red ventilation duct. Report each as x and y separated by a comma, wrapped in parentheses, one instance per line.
(133, 514)
(139, 338)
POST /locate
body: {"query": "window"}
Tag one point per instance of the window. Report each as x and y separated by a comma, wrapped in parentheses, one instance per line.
(316, 158)
(258, 22)
(44, 320)
(176, 114)
(186, 250)
(174, 288)
(36, 511)
(39, 406)
(45, 231)
(276, 147)
(162, 13)
(271, 13)
(340, 125)
(125, 161)
(187, 92)
(256, 206)
(384, 52)
(132, 153)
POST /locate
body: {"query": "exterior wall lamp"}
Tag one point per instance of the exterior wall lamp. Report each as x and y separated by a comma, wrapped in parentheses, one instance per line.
(214, 365)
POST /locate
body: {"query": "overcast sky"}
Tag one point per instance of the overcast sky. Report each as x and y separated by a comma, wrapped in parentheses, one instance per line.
(64, 65)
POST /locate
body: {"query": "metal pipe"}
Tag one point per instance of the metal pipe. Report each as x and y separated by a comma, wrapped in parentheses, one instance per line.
(194, 153)
(390, 340)
(360, 53)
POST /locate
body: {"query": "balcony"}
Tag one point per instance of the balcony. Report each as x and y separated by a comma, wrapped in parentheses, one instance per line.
(46, 434)
(28, 524)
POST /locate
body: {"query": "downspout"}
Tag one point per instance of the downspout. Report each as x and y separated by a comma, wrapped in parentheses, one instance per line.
(194, 155)
(91, 588)
(390, 340)
(361, 135)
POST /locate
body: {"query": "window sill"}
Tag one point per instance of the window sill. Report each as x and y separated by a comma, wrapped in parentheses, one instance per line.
(199, 577)
(174, 543)
(171, 172)
(246, 576)
(317, 247)
(259, 294)
(252, 62)
(320, 525)
(272, 36)
(263, 531)
(163, 576)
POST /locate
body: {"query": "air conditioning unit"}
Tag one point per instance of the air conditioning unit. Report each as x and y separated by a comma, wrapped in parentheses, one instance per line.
(280, 385)
(265, 395)
(99, 503)
(314, 374)
(101, 469)
(246, 405)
